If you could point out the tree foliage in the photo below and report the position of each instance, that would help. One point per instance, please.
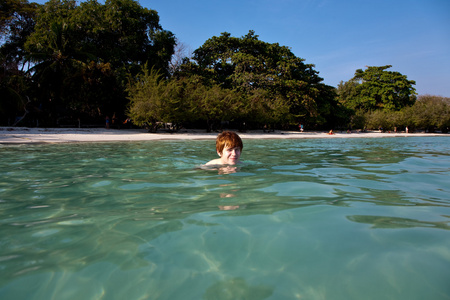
(376, 88)
(82, 54)
(271, 79)
(17, 20)
(243, 81)
(94, 59)
(429, 113)
(16, 24)
(154, 99)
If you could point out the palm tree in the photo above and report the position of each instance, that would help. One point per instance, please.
(57, 58)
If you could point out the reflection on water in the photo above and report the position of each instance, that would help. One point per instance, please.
(393, 222)
(236, 288)
(302, 219)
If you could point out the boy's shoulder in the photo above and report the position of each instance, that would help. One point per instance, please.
(216, 161)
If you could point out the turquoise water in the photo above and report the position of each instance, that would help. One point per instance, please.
(303, 219)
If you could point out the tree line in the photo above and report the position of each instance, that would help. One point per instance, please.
(64, 63)
(386, 100)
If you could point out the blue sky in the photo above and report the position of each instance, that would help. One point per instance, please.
(337, 36)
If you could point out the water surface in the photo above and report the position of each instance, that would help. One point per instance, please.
(302, 219)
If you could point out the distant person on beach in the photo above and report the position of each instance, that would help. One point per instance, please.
(229, 148)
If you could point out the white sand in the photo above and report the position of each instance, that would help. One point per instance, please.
(21, 135)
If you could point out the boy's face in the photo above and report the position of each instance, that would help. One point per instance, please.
(230, 156)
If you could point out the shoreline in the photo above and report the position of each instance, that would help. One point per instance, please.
(24, 135)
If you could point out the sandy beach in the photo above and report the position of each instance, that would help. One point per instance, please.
(22, 135)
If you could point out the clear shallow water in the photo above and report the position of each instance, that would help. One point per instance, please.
(304, 219)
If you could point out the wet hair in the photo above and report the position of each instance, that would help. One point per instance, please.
(228, 139)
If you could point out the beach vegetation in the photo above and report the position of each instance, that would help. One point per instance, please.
(428, 113)
(70, 63)
(155, 99)
(78, 56)
(245, 82)
(17, 20)
(431, 113)
(276, 87)
(378, 99)
(376, 88)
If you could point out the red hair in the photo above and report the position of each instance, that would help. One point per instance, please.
(228, 139)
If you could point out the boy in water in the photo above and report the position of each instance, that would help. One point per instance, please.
(229, 148)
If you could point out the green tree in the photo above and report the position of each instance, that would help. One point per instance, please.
(147, 103)
(154, 99)
(124, 33)
(376, 88)
(386, 120)
(16, 24)
(431, 113)
(56, 63)
(213, 104)
(428, 113)
(263, 72)
(91, 49)
(93, 88)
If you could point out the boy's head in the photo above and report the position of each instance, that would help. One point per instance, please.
(228, 139)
